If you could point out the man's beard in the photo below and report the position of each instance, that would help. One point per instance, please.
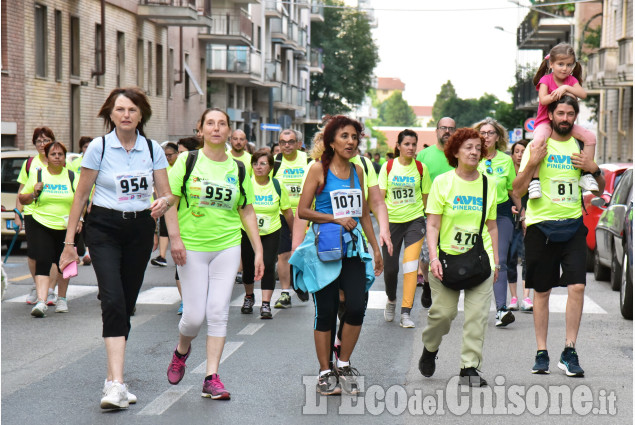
(561, 131)
(443, 140)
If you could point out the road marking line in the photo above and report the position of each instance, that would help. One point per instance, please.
(160, 295)
(20, 278)
(165, 400)
(251, 329)
(74, 292)
(228, 350)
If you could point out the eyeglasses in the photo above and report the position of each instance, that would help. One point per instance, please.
(170, 155)
(261, 164)
(489, 169)
(287, 142)
(488, 133)
(448, 129)
(42, 141)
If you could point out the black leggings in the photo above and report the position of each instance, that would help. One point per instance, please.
(352, 280)
(269, 256)
(48, 249)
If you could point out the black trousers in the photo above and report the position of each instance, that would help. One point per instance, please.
(269, 256)
(120, 249)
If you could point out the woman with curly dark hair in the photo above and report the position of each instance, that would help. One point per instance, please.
(455, 213)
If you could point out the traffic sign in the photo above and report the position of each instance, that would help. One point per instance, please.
(530, 124)
(517, 135)
(271, 127)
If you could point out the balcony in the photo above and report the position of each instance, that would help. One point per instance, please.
(229, 28)
(176, 12)
(539, 32)
(314, 115)
(234, 64)
(525, 94)
(274, 9)
(288, 97)
(317, 11)
(625, 61)
(315, 64)
(280, 30)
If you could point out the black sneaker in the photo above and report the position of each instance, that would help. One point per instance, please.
(542, 363)
(248, 305)
(265, 311)
(504, 317)
(159, 261)
(427, 363)
(426, 295)
(469, 376)
(304, 296)
(328, 384)
(570, 364)
(284, 301)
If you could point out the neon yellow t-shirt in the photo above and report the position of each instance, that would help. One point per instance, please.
(245, 158)
(76, 165)
(268, 206)
(290, 175)
(211, 221)
(502, 170)
(23, 177)
(558, 182)
(53, 206)
(460, 203)
(404, 187)
(435, 160)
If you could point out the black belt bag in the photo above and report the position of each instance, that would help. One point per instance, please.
(560, 230)
(467, 270)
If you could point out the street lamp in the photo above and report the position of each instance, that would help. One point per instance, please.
(503, 30)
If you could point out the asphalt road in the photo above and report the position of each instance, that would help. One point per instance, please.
(53, 368)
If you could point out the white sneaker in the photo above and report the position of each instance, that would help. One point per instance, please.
(587, 182)
(132, 399)
(61, 306)
(31, 299)
(527, 305)
(504, 317)
(39, 310)
(51, 299)
(406, 321)
(535, 191)
(513, 304)
(115, 396)
(389, 311)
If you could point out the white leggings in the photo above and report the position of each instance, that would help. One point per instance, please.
(207, 281)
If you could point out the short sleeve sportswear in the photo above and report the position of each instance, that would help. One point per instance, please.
(52, 208)
(435, 160)
(542, 116)
(268, 206)
(460, 204)
(211, 222)
(290, 175)
(245, 158)
(404, 188)
(502, 171)
(23, 177)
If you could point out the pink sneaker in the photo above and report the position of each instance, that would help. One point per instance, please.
(513, 304)
(176, 369)
(527, 305)
(214, 389)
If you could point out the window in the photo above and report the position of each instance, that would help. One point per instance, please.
(99, 55)
(159, 70)
(150, 68)
(140, 63)
(203, 77)
(121, 58)
(186, 78)
(170, 72)
(3, 38)
(41, 40)
(58, 45)
(75, 47)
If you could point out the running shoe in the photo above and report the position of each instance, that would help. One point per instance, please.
(176, 369)
(389, 311)
(570, 364)
(304, 296)
(587, 182)
(347, 377)
(180, 310)
(51, 299)
(132, 399)
(159, 261)
(541, 367)
(504, 317)
(62, 305)
(39, 310)
(86, 260)
(427, 362)
(248, 305)
(284, 301)
(31, 299)
(213, 388)
(406, 321)
(469, 376)
(513, 304)
(534, 190)
(265, 311)
(328, 384)
(426, 295)
(527, 305)
(115, 396)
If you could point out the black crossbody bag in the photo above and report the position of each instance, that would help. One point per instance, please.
(467, 270)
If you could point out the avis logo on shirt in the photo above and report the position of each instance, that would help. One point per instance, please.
(403, 179)
(55, 188)
(561, 162)
(264, 198)
(468, 203)
(293, 172)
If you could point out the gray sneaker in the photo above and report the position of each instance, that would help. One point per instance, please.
(347, 376)
(39, 310)
(31, 299)
(62, 305)
(406, 321)
(389, 311)
(328, 384)
(51, 299)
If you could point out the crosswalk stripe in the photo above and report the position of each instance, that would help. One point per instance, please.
(73, 292)
(251, 329)
(228, 350)
(165, 400)
(159, 295)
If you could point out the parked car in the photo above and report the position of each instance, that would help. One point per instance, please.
(626, 288)
(12, 161)
(609, 233)
(595, 206)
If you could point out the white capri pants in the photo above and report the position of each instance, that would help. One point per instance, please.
(207, 281)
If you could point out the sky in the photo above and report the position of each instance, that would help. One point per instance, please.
(426, 43)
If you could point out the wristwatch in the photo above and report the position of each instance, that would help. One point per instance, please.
(597, 173)
(497, 267)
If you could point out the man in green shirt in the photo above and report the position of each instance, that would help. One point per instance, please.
(238, 141)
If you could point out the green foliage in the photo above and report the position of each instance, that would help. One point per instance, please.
(592, 37)
(349, 57)
(447, 94)
(396, 112)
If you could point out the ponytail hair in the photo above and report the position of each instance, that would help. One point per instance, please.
(542, 70)
(402, 135)
(334, 123)
(561, 49)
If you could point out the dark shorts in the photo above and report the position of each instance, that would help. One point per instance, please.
(163, 229)
(285, 237)
(31, 237)
(545, 260)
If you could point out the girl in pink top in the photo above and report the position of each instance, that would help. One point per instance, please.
(564, 78)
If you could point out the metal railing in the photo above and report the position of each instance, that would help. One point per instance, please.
(317, 8)
(231, 23)
(179, 3)
(234, 59)
(280, 26)
(273, 70)
(525, 93)
(316, 59)
(315, 111)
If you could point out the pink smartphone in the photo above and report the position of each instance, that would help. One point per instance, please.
(70, 270)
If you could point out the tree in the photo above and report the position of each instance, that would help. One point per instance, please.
(395, 111)
(447, 94)
(349, 57)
